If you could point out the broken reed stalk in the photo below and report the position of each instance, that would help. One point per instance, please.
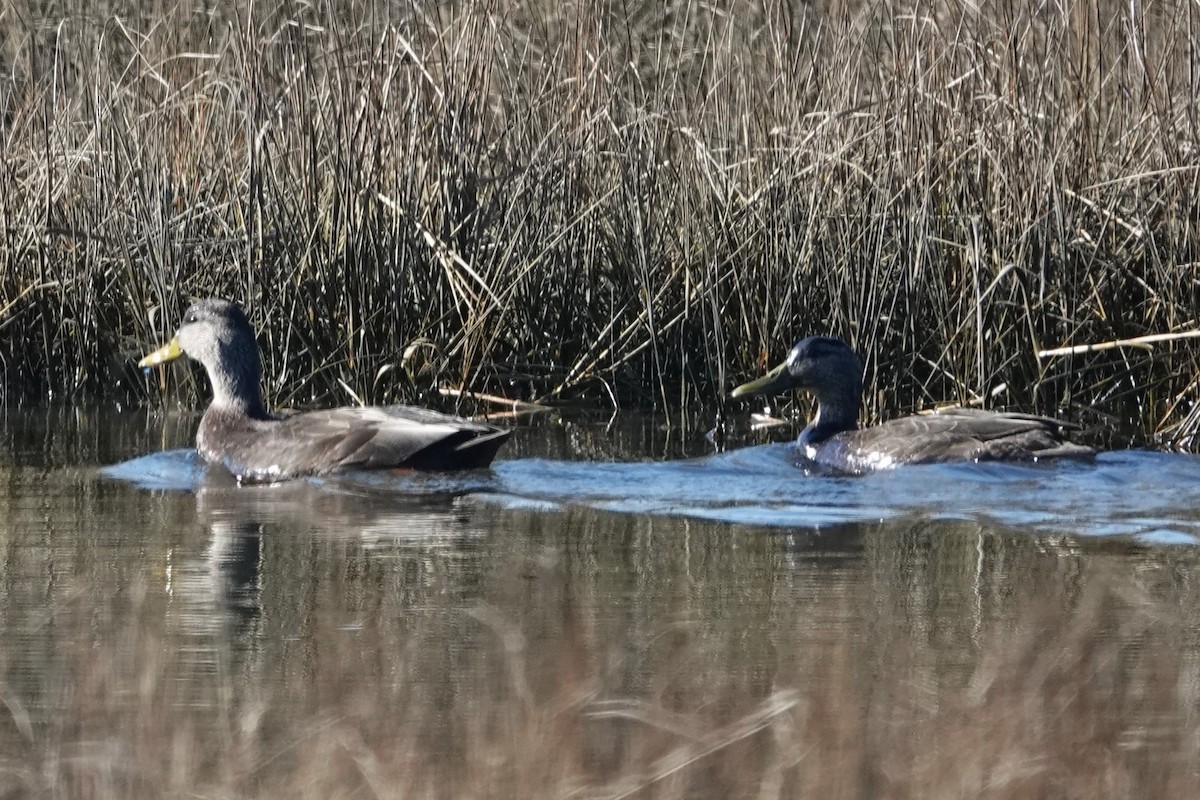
(1144, 342)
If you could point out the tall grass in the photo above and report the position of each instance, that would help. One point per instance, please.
(632, 203)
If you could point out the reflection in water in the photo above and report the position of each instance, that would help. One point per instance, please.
(355, 507)
(712, 628)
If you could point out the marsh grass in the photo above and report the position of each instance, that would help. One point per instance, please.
(629, 203)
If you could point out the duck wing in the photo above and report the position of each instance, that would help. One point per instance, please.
(958, 435)
(377, 437)
(372, 437)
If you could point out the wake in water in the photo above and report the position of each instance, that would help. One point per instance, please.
(1152, 497)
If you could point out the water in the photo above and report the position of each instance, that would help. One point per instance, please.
(595, 616)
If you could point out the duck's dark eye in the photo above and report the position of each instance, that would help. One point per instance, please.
(189, 318)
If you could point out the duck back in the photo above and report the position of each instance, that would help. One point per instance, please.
(951, 435)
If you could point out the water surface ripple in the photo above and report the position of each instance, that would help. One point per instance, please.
(1149, 496)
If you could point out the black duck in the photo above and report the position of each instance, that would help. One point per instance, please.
(239, 433)
(831, 371)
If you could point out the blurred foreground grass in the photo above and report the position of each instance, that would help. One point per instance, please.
(878, 660)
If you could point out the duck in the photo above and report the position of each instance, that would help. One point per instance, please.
(829, 369)
(237, 431)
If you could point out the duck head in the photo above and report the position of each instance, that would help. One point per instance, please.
(827, 368)
(218, 335)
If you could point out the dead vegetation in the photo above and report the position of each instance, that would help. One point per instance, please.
(632, 204)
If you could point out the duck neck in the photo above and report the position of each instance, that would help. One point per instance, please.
(236, 388)
(837, 411)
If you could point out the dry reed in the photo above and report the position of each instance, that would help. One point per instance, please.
(631, 203)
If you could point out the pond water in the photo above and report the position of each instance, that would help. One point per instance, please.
(613, 610)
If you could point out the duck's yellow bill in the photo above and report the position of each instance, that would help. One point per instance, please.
(168, 352)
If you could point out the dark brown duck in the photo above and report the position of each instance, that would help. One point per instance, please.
(239, 433)
(831, 371)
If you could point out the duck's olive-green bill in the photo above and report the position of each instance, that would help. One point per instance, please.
(168, 352)
(777, 381)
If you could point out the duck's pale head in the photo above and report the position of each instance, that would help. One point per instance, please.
(217, 334)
